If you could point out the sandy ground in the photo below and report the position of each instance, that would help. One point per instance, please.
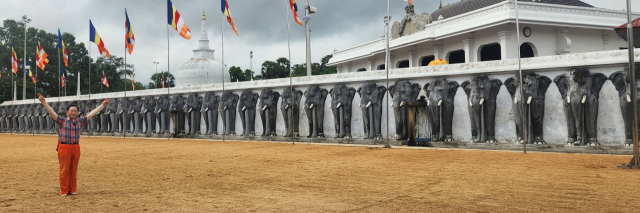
(129, 175)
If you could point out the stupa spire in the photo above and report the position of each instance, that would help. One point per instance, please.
(204, 38)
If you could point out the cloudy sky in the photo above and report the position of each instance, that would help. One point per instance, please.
(261, 24)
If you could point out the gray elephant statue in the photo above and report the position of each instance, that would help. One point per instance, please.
(290, 106)
(35, 125)
(62, 108)
(534, 87)
(622, 81)
(227, 109)
(37, 112)
(83, 110)
(192, 112)
(177, 106)
(148, 114)
(18, 118)
(268, 111)
(28, 114)
(580, 90)
(209, 112)
(23, 122)
(314, 108)
(95, 122)
(440, 94)
(110, 121)
(371, 96)
(122, 116)
(247, 111)
(341, 103)
(482, 92)
(135, 112)
(402, 92)
(162, 113)
(2, 118)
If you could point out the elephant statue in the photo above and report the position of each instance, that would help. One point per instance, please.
(23, 122)
(95, 122)
(110, 121)
(192, 110)
(62, 109)
(314, 108)
(83, 110)
(371, 96)
(227, 109)
(27, 111)
(34, 119)
(534, 87)
(209, 112)
(268, 111)
(2, 118)
(247, 111)
(580, 90)
(122, 116)
(622, 81)
(482, 91)
(135, 114)
(162, 113)
(402, 92)
(290, 106)
(341, 101)
(148, 116)
(440, 93)
(38, 113)
(177, 106)
(17, 117)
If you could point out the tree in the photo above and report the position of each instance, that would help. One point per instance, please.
(156, 79)
(316, 68)
(277, 69)
(236, 74)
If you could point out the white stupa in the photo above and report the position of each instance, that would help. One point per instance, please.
(202, 68)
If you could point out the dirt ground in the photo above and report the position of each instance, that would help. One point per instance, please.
(138, 175)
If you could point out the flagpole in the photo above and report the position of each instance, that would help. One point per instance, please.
(35, 90)
(124, 131)
(59, 79)
(168, 61)
(635, 161)
(387, 19)
(291, 127)
(224, 128)
(89, 54)
(13, 99)
(523, 114)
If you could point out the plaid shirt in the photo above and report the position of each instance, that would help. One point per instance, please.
(70, 131)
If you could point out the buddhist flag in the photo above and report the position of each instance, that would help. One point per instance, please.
(64, 49)
(129, 39)
(225, 11)
(133, 79)
(41, 57)
(14, 60)
(30, 73)
(104, 78)
(95, 38)
(163, 79)
(411, 3)
(176, 21)
(63, 79)
(294, 9)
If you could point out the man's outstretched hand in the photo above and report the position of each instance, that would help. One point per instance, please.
(41, 98)
(104, 103)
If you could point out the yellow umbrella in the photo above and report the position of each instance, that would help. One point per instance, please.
(438, 62)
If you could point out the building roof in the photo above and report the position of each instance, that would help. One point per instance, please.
(465, 6)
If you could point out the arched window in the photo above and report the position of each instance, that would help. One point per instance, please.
(403, 64)
(361, 70)
(381, 67)
(456, 57)
(527, 50)
(424, 61)
(490, 52)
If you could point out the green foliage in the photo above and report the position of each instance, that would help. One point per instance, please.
(236, 74)
(275, 69)
(156, 79)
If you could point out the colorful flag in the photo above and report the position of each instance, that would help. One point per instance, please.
(62, 75)
(14, 60)
(41, 57)
(294, 9)
(95, 38)
(104, 78)
(129, 39)
(411, 3)
(133, 79)
(163, 79)
(225, 11)
(176, 21)
(64, 49)
(33, 77)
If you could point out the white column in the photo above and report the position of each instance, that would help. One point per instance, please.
(507, 46)
(469, 49)
(605, 39)
(437, 50)
(372, 64)
(339, 68)
(349, 68)
(392, 62)
(413, 53)
(78, 93)
(563, 42)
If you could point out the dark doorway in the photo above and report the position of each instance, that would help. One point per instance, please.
(361, 70)
(526, 51)
(426, 60)
(381, 67)
(403, 64)
(456, 57)
(490, 52)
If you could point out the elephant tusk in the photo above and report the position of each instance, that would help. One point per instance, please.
(338, 106)
(428, 102)
(568, 100)
(311, 107)
(264, 107)
(515, 100)
(144, 111)
(481, 101)
(359, 104)
(584, 98)
(628, 98)
(133, 111)
(440, 102)
(190, 110)
(529, 100)
(206, 109)
(402, 103)
(225, 108)
(244, 108)
(470, 103)
(369, 104)
(286, 106)
(120, 112)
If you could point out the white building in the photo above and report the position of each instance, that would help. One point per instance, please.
(484, 30)
(203, 68)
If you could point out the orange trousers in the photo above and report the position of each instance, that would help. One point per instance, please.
(68, 156)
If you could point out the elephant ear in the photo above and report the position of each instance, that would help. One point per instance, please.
(543, 85)
(466, 87)
(495, 87)
(598, 80)
(561, 83)
(426, 89)
(510, 83)
(392, 90)
(453, 88)
(297, 96)
(381, 92)
(617, 78)
(323, 95)
(276, 96)
(360, 91)
(352, 93)
(415, 91)
(331, 93)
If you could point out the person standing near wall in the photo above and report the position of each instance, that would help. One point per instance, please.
(68, 143)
